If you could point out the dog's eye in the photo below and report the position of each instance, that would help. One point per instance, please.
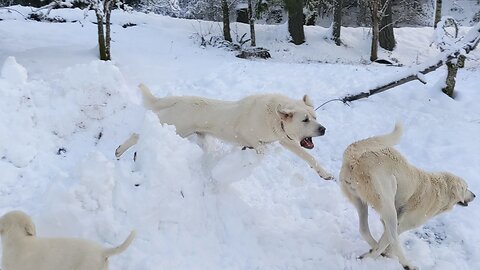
(306, 120)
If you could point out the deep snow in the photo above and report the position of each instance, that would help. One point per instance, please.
(63, 113)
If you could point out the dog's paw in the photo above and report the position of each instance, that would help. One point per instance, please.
(387, 253)
(118, 153)
(326, 176)
(410, 267)
(364, 255)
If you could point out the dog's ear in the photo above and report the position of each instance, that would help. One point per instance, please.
(30, 229)
(284, 113)
(307, 101)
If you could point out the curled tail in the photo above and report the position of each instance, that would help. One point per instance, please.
(391, 138)
(356, 149)
(122, 247)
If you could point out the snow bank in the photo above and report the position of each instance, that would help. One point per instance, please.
(205, 204)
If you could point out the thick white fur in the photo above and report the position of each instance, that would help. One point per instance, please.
(22, 250)
(374, 173)
(251, 122)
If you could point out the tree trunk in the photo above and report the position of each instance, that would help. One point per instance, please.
(101, 36)
(226, 21)
(251, 20)
(452, 74)
(438, 12)
(450, 82)
(108, 12)
(375, 30)
(295, 21)
(337, 22)
(386, 35)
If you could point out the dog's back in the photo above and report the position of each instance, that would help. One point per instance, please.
(362, 158)
(38, 253)
(355, 150)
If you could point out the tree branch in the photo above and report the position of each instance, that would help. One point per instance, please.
(11, 9)
(474, 39)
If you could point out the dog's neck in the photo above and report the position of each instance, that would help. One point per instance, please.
(12, 239)
(433, 182)
(282, 126)
(275, 122)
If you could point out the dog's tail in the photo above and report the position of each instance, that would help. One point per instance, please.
(122, 247)
(153, 103)
(149, 100)
(389, 139)
(356, 149)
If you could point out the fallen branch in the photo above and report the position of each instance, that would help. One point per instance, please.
(11, 9)
(446, 57)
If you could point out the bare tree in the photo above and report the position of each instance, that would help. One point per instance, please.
(378, 11)
(376, 16)
(226, 21)
(337, 21)
(251, 20)
(438, 12)
(445, 40)
(386, 34)
(295, 21)
(103, 10)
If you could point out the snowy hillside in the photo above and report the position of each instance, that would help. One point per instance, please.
(63, 113)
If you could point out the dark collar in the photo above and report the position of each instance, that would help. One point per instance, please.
(283, 128)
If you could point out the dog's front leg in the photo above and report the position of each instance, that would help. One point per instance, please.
(296, 149)
(131, 141)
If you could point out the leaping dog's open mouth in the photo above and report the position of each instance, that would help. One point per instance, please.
(307, 143)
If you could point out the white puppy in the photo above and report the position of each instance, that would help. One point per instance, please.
(22, 250)
(374, 173)
(250, 122)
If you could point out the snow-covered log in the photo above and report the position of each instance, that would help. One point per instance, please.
(447, 56)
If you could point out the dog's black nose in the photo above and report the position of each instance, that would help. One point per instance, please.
(474, 196)
(321, 130)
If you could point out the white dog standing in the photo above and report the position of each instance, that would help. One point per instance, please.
(374, 173)
(22, 250)
(250, 122)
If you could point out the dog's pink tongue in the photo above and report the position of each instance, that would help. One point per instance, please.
(307, 143)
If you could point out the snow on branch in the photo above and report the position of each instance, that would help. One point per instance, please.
(52, 5)
(450, 53)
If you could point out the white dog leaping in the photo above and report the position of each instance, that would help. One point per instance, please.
(374, 173)
(250, 122)
(23, 250)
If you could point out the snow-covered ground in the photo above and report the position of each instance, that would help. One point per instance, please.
(63, 113)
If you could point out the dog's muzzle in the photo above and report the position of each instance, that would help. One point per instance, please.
(468, 200)
(321, 130)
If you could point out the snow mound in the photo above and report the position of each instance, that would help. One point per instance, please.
(13, 72)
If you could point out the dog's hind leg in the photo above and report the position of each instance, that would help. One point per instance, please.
(389, 217)
(397, 250)
(384, 203)
(390, 239)
(406, 221)
(362, 210)
(132, 140)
